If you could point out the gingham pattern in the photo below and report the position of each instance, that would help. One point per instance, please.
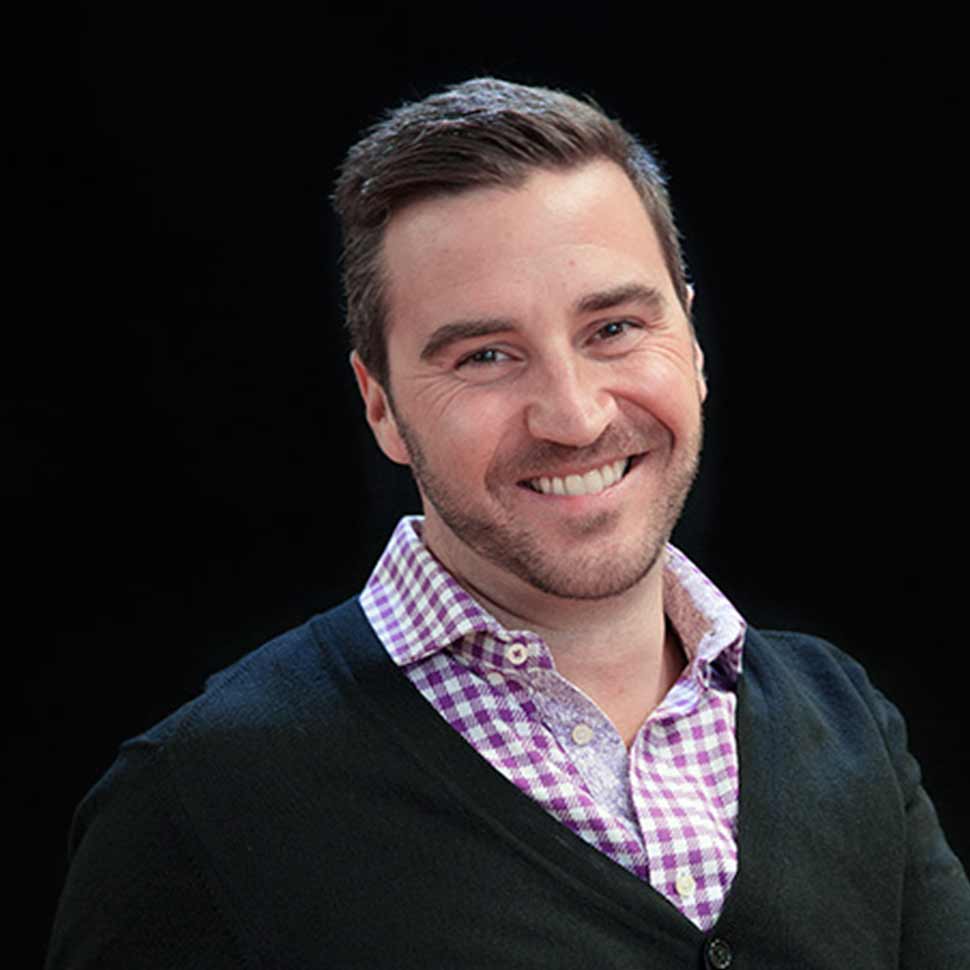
(667, 809)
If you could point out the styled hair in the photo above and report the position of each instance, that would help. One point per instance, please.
(483, 132)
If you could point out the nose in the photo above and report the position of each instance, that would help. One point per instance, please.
(569, 403)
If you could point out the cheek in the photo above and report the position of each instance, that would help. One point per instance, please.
(667, 387)
(466, 439)
(466, 413)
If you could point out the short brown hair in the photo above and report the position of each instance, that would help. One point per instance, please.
(483, 132)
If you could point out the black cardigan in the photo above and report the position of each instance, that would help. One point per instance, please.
(311, 810)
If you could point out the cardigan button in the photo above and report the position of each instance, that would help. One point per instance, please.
(719, 955)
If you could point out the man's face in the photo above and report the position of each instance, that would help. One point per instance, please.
(536, 348)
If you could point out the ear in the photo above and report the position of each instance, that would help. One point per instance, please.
(698, 352)
(380, 417)
(699, 368)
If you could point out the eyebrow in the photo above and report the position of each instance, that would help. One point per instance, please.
(452, 333)
(458, 330)
(615, 296)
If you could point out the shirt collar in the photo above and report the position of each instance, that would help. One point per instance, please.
(414, 604)
(418, 608)
(710, 628)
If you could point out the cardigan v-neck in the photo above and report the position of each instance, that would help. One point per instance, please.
(311, 810)
(664, 804)
(390, 698)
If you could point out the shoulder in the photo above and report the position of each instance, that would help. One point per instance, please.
(169, 830)
(813, 664)
(267, 688)
(814, 688)
(261, 715)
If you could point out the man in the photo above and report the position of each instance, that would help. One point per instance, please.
(540, 737)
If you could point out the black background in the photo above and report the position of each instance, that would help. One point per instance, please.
(190, 472)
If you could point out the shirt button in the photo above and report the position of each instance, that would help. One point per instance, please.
(517, 654)
(495, 678)
(719, 954)
(582, 734)
(685, 883)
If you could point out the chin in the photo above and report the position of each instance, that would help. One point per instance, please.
(587, 577)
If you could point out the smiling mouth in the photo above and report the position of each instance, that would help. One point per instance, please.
(590, 483)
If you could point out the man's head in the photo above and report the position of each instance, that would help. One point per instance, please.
(484, 132)
(514, 276)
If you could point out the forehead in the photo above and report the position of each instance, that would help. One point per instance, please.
(500, 251)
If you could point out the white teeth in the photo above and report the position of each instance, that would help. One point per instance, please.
(592, 483)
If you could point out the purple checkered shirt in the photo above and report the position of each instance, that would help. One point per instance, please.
(666, 809)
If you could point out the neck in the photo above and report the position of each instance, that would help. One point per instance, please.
(618, 650)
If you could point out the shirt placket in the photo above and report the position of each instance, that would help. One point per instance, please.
(689, 861)
(591, 755)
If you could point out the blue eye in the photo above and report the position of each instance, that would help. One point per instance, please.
(487, 355)
(615, 328)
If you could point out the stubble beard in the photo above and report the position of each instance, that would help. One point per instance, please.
(582, 575)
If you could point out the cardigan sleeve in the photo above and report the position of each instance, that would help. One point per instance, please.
(137, 894)
(935, 914)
